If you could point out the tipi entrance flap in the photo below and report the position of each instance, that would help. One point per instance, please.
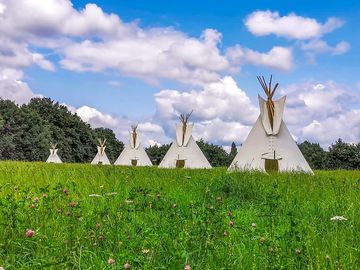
(278, 115)
(181, 138)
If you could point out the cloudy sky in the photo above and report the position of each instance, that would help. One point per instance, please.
(118, 62)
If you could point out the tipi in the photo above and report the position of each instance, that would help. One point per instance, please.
(133, 154)
(184, 152)
(53, 157)
(269, 145)
(101, 157)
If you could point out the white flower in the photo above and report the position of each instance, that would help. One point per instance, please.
(128, 201)
(94, 195)
(111, 193)
(338, 218)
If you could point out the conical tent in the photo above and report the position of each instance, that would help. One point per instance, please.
(53, 157)
(269, 145)
(133, 153)
(184, 152)
(101, 157)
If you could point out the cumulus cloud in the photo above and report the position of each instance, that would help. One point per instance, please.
(262, 23)
(278, 57)
(322, 112)
(223, 112)
(317, 46)
(121, 125)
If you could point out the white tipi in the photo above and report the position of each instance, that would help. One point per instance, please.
(184, 152)
(133, 153)
(269, 145)
(53, 157)
(101, 157)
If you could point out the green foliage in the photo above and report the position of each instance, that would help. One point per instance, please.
(156, 153)
(113, 145)
(163, 219)
(215, 154)
(314, 154)
(344, 156)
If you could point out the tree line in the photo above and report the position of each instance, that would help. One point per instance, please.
(26, 132)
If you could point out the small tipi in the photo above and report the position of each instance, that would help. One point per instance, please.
(133, 153)
(101, 157)
(53, 157)
(269, 145)
(184, 152)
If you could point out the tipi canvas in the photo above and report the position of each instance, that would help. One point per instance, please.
(53, 157)
(133, 153)
(101, 157)
(269, 145)
(184, 152)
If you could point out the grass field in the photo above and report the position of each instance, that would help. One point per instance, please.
(151, 218)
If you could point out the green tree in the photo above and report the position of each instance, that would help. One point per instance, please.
(314, 154)
(156, 153)
(113, 145)
(215, 154)
(75, 138)
(232, 154)
(344, 156)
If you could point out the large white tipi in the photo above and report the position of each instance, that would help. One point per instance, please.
(53, 157)
(133, 153)
(101, 157)
(184, 152)
(269, 145)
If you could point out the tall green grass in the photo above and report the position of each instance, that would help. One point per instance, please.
(163, 219)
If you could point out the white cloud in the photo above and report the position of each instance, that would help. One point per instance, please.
(13, 88)
(278, 57)
(261, 23)
(222, 111)
(318, 46)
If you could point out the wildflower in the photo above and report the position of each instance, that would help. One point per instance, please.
(225, 234)
(271, 249)
(94, 195)
(218, 198)
(66, 191)
(253, 225)
(128, 201)
(262, 239)
(97, 225)
(145, 251)
(174, 205)
(111, 261)
(45, 196)
(32, 206)
(338, 218)
(298, 251)
(158, 196)
(211, 207)
(229, 213)
(36, 200)
(231, 223)
(101, 238)
(187, 267)
(127, 266)
(327, 257)
(72, 204)
(68, 213)
(29, 233)
(111, 193)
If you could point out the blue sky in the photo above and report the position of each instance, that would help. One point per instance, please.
(116, 94)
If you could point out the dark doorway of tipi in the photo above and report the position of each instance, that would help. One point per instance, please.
(180, 163)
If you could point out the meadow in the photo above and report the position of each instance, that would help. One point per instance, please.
(78, 216)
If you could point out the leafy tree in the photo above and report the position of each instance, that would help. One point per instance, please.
(215, 154)
(314, 154)
(232, 153)
(73, 136)
(24, 134)
(344, 156)
(113, 145)
(156, 153)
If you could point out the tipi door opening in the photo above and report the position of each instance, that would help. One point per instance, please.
(180, 163)
(134, 162)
